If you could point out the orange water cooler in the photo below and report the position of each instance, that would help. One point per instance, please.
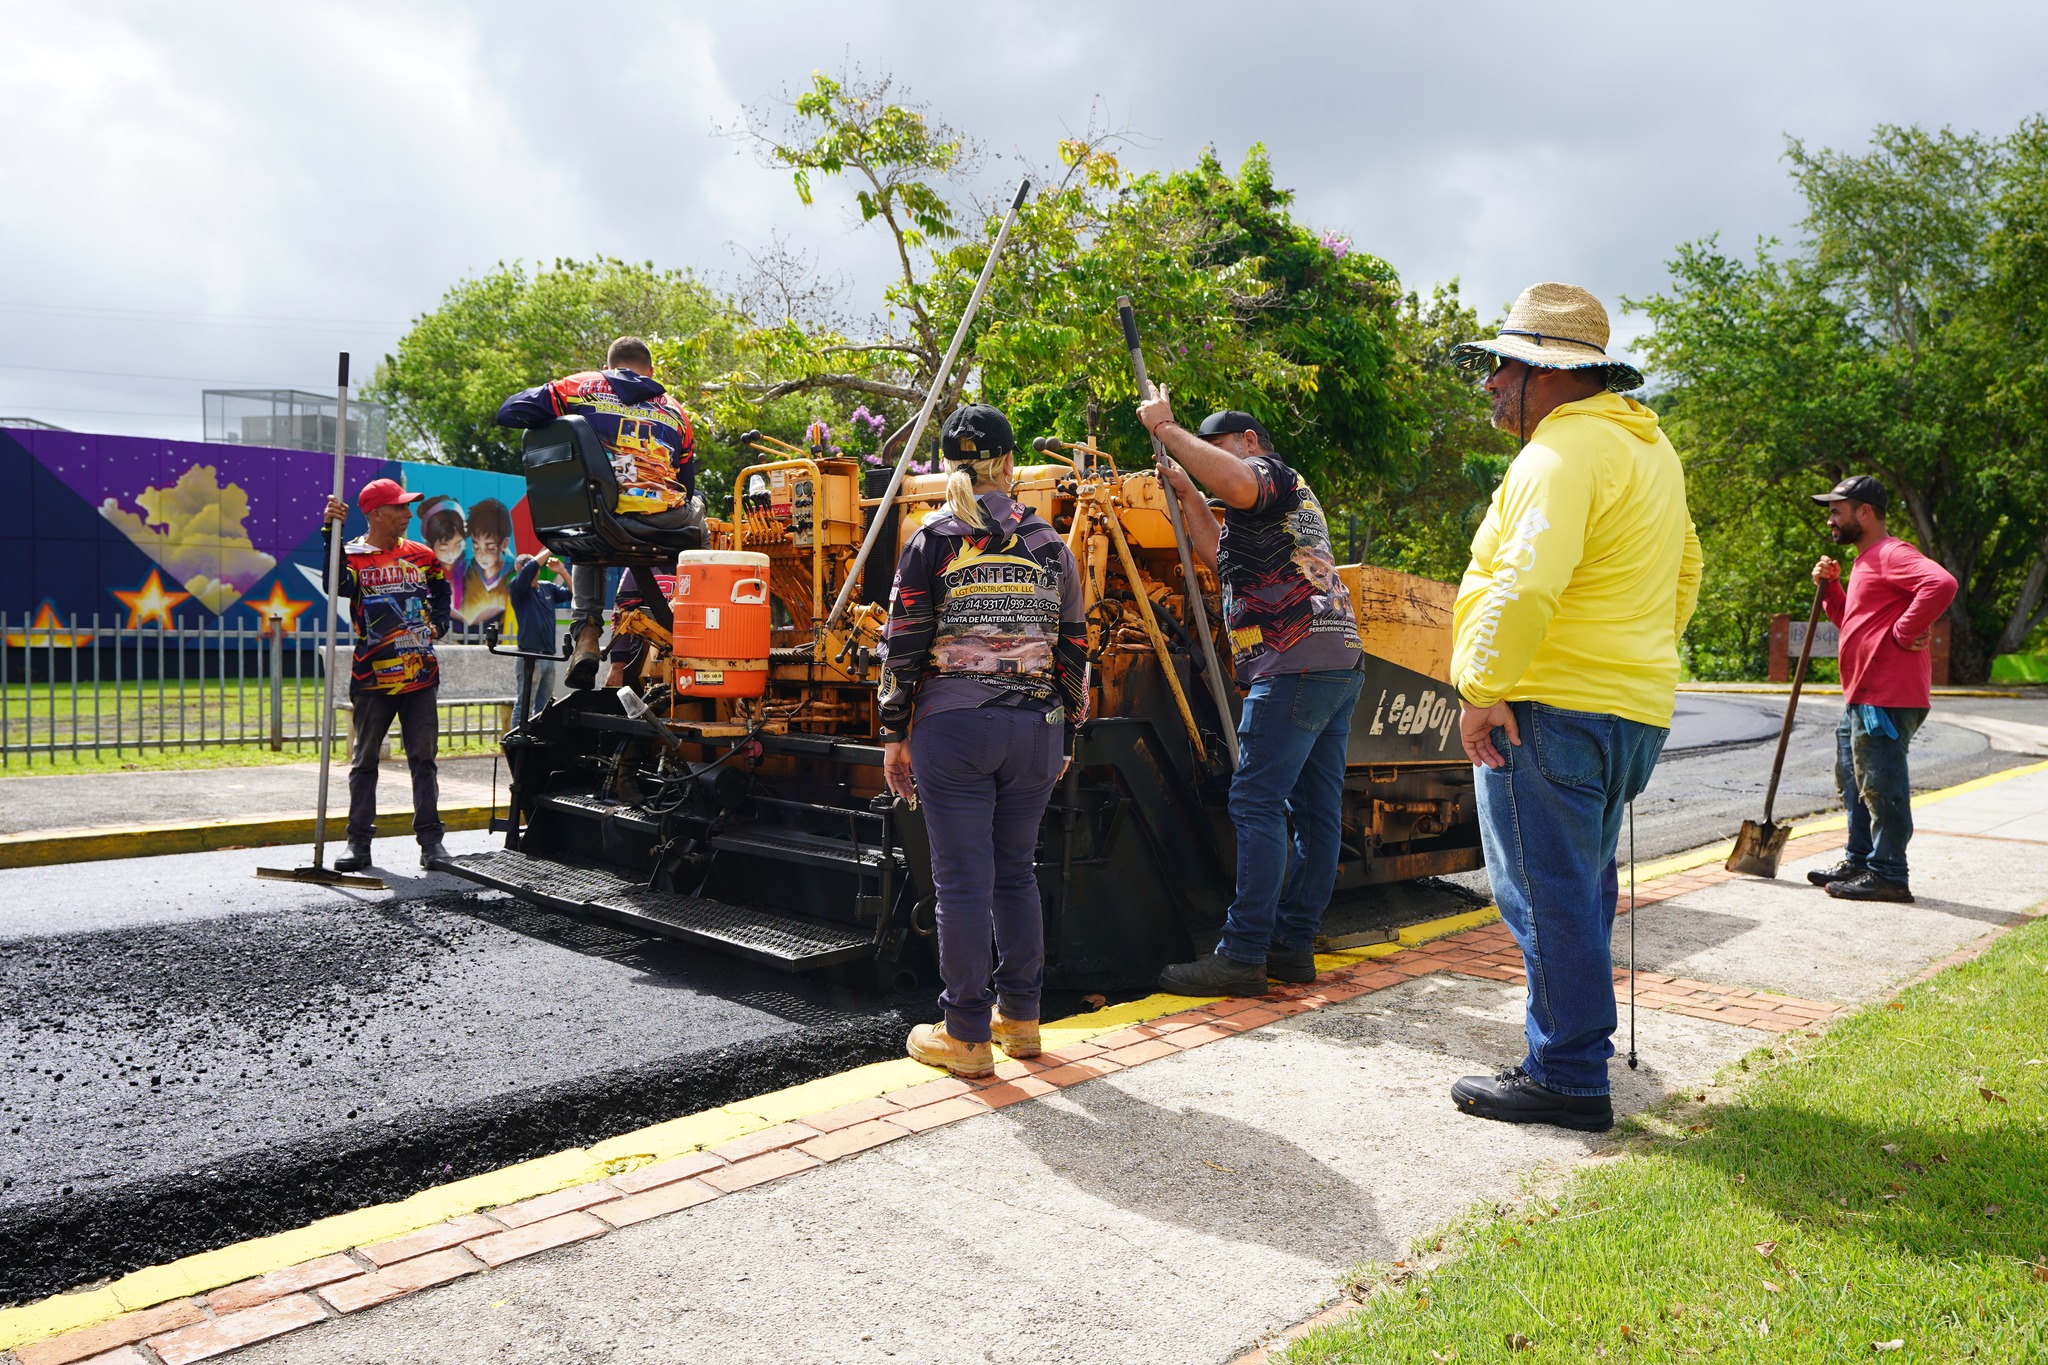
(722, 622)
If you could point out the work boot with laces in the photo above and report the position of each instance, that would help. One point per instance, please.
(1839, 872)
(1214, 974)
(1512, 1095)
(583, 664)
(1016, 1037)
(932, 1045)
(356, 859)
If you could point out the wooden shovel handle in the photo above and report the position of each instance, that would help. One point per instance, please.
(1792, 703)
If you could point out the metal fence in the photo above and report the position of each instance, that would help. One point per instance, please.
(88, 686)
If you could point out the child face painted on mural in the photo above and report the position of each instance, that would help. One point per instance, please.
(490, 538)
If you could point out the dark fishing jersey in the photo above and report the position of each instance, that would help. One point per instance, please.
(982, 617)
(398, 604)
(1283, 604)
(654, 452)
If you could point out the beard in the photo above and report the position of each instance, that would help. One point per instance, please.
(1844, 535)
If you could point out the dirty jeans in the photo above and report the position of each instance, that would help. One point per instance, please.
(1871, 771)
(419, 725)
(586, 595)
(1549, 819)
(1291, 736)
(536, 684)
(984, 777)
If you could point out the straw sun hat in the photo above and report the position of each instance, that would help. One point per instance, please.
(1559, 327)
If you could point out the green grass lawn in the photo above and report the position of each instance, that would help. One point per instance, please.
(1877, 1193)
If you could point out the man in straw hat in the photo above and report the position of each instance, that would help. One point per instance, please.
(1565, 654)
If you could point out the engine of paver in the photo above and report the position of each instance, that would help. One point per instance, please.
(760, 826)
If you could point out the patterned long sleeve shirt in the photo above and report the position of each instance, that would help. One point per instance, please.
(982, 617)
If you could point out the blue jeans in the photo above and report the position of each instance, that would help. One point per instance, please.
(1291, 738)
(1871, 771)
(984, 777)
(1549, 819)
(536, 685)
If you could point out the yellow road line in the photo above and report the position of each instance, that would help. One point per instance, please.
(41, 849)
(676, 1137)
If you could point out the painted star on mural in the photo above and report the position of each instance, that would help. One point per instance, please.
(48, 632)
(150, 602)
(276, 606)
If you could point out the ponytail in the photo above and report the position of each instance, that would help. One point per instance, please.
(960, 499)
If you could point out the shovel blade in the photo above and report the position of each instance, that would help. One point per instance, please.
(320, 876)
(1758, 848)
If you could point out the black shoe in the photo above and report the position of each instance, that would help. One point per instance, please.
(1868, 886)
(1214, 974)
(432, 854)
(356, 859)
(1512, 1096)
(1296, 968)
(1840, 872)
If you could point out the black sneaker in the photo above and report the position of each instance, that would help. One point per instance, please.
(1295, 968)
(1868, 886)
(1840, 872)
(1214, 974)
(1512, 1096)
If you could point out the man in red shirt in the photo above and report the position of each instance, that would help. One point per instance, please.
(398, 607)
(1886, 619)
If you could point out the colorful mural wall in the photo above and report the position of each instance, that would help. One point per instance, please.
(142, 531)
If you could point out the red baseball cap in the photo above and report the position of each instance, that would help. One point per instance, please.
(384, 493)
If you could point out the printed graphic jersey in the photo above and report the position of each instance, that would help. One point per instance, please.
(653, 450)
(982, 617)
(1283, 604)
(1584, 572)
(1895, 595)
(398, 603)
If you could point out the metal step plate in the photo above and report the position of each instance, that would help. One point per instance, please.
(791, 845)
(595, 808)
(791, 942)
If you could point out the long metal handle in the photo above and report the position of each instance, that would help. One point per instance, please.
(1792, 702)
(334, 541)
(1198, 606)
(924, 416)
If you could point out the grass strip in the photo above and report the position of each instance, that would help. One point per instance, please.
(1878, 1192)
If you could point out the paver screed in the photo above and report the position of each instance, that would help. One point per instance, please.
(1174, 1191)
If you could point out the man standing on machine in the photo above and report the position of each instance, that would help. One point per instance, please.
(1294, 640)
(1887, 618)
(398, 607)
(654, 455)
(1565, 653)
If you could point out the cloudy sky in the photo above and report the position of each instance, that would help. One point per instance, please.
(224, 195)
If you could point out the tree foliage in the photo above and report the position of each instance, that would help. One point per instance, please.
(1904, 337)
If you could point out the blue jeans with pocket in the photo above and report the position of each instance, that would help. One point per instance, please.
(1876, 789)
(1291, 736)
(1549, 819)
(984, 777)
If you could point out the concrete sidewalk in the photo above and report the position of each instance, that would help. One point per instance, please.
(1176, 1191)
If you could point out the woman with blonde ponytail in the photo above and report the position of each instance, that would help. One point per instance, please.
(984, 682)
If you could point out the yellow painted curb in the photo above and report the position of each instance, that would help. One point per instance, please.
(40, 849)
(1826, 690)
(694, 1132)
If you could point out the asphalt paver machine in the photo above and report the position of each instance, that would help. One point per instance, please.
(732, 796)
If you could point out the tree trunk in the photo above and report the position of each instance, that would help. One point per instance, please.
(2027, 611)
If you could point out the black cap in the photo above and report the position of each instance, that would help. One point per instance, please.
(1231, 420)
(976, 431)
(1857, 488)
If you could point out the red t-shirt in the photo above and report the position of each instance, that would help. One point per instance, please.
(1895, 595)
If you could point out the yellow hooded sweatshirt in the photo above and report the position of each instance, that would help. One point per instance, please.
(1585, 570)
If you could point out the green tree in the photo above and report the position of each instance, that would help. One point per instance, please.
(1905, 337)
(511, 329)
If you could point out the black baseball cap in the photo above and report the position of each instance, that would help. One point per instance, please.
(1857, 488)
(976, 431)
(1230, 420)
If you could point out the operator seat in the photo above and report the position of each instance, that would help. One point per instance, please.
(572, 491)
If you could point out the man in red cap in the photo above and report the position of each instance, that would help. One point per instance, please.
(398, 607)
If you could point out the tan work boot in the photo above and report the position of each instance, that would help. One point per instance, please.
(583, 663)
(1016, 1037)
(932, 1045)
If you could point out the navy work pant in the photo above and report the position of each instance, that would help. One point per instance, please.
(984, 777)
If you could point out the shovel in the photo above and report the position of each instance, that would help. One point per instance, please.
(319, 874)
(1758, 846)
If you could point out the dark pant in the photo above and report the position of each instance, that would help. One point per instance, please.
(1876, 788)
(1549, 819)
(419, 725)
(983, 780)
(1292, 734)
